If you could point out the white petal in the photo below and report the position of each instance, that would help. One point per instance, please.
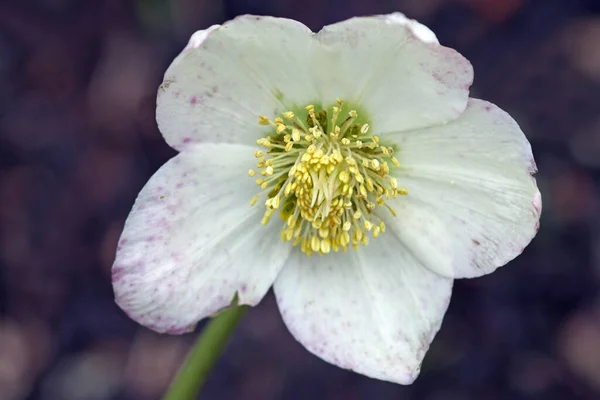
(192, 241)
(472, 204)
(195, 41)
(418, 29)
(249, 66)
(373, 311)
(393, 68)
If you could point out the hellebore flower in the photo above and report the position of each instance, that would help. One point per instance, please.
(375, 181)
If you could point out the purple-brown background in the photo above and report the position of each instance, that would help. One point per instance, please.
(78, 140)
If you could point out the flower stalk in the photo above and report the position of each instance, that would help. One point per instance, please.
(207, 349)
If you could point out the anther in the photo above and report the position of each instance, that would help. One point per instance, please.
(326, 178)
(296, 135)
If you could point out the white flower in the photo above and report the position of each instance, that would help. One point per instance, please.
(365, 141)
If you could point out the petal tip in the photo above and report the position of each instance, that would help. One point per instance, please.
(420, 31)
(199, 36)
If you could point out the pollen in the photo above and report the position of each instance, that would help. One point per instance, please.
(327, 178)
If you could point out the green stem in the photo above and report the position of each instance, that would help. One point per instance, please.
(206, 351)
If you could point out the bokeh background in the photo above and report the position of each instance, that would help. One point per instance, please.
(78, 139)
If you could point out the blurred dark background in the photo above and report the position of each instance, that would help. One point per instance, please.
(78, 139)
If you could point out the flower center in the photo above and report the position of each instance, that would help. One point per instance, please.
(327, 176)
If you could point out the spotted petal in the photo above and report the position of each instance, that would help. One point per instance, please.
(472, 204)
(192, 241)
(395, 69)
(216, 89)
(373, 311)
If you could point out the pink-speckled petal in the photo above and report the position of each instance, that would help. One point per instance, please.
(473, 204)
(394, 68)
(192, 241)
(216, 89)
(373, 311)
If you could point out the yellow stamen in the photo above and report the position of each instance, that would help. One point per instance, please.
(327, 175)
